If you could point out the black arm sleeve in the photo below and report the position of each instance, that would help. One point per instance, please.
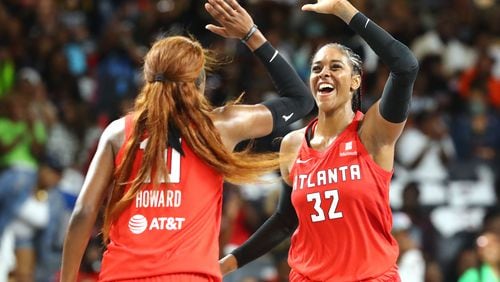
(295, 101)
(277, 228)
(396, 97)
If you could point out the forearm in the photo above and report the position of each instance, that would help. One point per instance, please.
(77, 237)
(269, 235)
(276, 229)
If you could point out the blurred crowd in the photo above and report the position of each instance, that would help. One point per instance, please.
(69, 67)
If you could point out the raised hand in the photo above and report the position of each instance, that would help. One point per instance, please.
(322, 6)
(340, 8)
(234, 20)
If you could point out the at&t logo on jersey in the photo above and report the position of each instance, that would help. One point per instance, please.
(138, 223)
(348, 149)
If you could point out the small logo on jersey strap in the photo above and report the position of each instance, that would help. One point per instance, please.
(348, 149)
(287, 117)
(299, 161)
(137, 224)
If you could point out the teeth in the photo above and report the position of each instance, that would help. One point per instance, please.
(325, 86)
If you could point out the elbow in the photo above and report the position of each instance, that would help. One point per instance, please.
(83, 215)
(410, 65)
(408, 70)
(404, 63)
(413, 65)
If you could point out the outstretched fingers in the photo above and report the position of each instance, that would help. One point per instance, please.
(235, 5)
(224, 11)
(212, 11)
(228, 7)
(234, 21)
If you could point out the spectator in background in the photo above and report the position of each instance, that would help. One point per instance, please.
(21, 142)
(66, 136)
(433, 271)
(426, 150)
(31, 85)
(422, 230)
(488, 268)
(411, 263)
(119, 60)
(476, 130)
(48, 240)
(480, 77)
(491, 220)
(7, 254)
(33, 216)
(442, 39)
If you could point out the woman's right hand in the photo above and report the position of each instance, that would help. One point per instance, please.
(340, 8)
(322, 6)
(235, 21)
(228, 264)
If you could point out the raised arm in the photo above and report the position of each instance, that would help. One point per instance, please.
(386, 118)
(97, 181)
(295, 101)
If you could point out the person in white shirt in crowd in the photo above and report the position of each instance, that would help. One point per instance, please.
(411, 263)
(7, 256)
(425, 151)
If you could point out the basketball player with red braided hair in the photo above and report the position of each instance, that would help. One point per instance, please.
(160, 169)
(339, 166)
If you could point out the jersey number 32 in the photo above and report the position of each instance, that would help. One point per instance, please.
(332, 211)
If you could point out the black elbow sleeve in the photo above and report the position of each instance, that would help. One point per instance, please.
(295, 101)
(396, 98)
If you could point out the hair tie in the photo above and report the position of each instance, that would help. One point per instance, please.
(159, 78)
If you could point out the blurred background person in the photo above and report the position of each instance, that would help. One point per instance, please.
(411, 263)
(488, 260)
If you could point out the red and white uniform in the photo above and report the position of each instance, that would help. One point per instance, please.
(341, 197)
(173, 229)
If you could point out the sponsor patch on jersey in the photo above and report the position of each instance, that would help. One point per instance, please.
(138, 223)
(348, 149)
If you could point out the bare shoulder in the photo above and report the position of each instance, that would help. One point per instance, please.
(114, 134)
(292, 141)
(288, 152)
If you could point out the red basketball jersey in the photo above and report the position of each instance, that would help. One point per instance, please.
(170, 229)
(342, 201)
